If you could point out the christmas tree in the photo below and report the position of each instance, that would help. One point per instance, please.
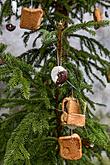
(51, 119)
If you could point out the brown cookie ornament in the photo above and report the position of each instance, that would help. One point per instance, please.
(98, 17)
(31, 18)
(71, 115)
(70, 147)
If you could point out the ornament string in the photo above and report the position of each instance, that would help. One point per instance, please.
(31, 4)
(72, 92)
(70, 84)
(59, 62)
(59, 43)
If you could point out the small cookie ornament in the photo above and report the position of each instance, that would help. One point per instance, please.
(70, 147)
(98, 17)
(71, 113)
(31, 18)
(59, 75)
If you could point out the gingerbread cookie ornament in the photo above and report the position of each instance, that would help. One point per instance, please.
(98, 16)
(31, 18)
(70, 147)
(71, 115)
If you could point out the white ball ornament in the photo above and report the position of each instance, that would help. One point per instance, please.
(59, 75)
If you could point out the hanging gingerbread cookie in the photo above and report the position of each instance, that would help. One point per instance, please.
(31, 18)
(70, 147)
(98, 16)
(71, 115)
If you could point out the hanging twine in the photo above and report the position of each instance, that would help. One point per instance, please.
(31, 4)
(59, 43)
